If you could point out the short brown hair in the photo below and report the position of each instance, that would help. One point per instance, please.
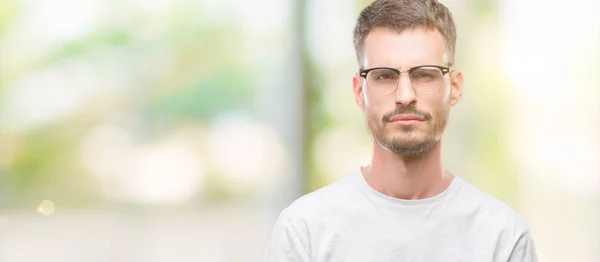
(399, 15)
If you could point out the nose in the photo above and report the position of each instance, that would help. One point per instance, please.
(405, 93)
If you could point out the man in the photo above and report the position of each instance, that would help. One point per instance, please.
(403, 206)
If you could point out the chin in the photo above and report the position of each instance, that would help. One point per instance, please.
(406, 131)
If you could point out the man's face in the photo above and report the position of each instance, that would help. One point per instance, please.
(406, 122)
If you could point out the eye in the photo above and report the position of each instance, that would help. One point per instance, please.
(425, 74)
(386, 76)
(383, 75)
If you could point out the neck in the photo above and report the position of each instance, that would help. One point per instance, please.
(407, 177)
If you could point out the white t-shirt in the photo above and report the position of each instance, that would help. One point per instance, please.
(349, 221)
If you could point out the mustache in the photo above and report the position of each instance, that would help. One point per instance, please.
(403, 110)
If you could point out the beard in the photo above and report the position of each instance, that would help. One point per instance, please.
(408, 143)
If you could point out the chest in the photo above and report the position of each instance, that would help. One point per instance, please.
(420, 237)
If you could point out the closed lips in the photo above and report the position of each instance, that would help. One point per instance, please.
(405, 118)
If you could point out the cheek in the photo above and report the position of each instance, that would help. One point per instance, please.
(366, 97)
(435, 105)
(377, 107)
(441, 100)
(441, 111)
(447, 93)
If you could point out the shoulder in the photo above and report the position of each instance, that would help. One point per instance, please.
(496, 218)
(314, 205)
(495, 212)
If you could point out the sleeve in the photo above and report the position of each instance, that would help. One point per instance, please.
(524, 250)
(285, 243)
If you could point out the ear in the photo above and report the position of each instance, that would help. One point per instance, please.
(357, 88)
(456, 85)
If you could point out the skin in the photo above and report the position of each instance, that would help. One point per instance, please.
(407, 161)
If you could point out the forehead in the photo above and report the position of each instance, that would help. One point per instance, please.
(411, 47)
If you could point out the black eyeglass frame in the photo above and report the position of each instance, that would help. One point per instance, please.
(364, 72)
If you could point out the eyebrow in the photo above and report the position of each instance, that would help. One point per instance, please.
(406, 66)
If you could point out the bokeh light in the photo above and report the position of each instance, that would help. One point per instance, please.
(177, 130)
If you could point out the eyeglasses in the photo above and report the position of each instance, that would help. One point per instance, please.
(425, 79)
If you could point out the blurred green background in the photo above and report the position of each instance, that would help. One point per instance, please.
(177, 129)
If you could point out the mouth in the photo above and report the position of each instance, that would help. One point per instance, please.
(406, 119)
